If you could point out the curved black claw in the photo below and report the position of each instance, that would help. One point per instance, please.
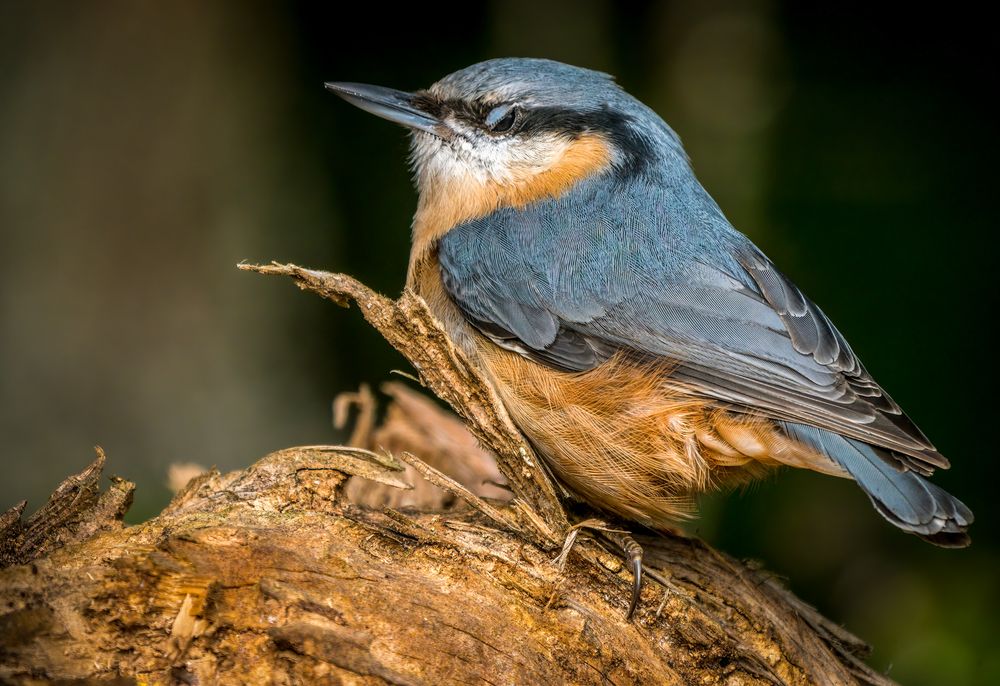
(633, 555)
(634, 552)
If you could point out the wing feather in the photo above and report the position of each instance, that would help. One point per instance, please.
(658, 272)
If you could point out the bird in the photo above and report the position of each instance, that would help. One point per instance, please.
(647, 349)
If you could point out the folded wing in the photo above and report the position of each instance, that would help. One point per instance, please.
(657, 271)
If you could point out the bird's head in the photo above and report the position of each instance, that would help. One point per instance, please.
(508, 132)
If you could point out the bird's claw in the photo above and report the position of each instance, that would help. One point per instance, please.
(633, 550)
(628, 545)
(633, 559)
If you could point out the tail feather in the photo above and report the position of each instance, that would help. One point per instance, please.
(905, 498)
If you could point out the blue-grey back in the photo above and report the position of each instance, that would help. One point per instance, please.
(651, 267)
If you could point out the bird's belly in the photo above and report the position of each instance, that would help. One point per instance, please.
(627, 439)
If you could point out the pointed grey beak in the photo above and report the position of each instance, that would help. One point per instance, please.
(396, 106)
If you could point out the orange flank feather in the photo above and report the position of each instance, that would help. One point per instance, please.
(629, 440)
(446, 201)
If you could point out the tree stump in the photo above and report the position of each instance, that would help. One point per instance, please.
(368, 564)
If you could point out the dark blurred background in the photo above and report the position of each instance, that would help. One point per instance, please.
(147, 148)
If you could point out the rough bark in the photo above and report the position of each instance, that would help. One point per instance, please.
(324, 564)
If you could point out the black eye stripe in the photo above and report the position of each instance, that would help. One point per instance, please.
(537, 119)
(475, 112)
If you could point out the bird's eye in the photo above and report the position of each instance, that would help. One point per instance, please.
(502, 118)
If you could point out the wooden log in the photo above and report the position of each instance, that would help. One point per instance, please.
(304, 569)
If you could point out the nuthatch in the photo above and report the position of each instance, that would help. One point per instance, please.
(646, 348)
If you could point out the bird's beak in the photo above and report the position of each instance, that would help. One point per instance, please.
(396, 106)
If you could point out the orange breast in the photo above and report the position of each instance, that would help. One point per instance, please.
(447, 202)
(627, 439)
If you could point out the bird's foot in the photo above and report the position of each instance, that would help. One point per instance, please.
(633, 558)
(620, 539)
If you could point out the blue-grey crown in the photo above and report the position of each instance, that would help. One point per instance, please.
(538, 81)
(553, 85)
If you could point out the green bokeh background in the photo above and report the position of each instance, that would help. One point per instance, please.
(147, 148)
